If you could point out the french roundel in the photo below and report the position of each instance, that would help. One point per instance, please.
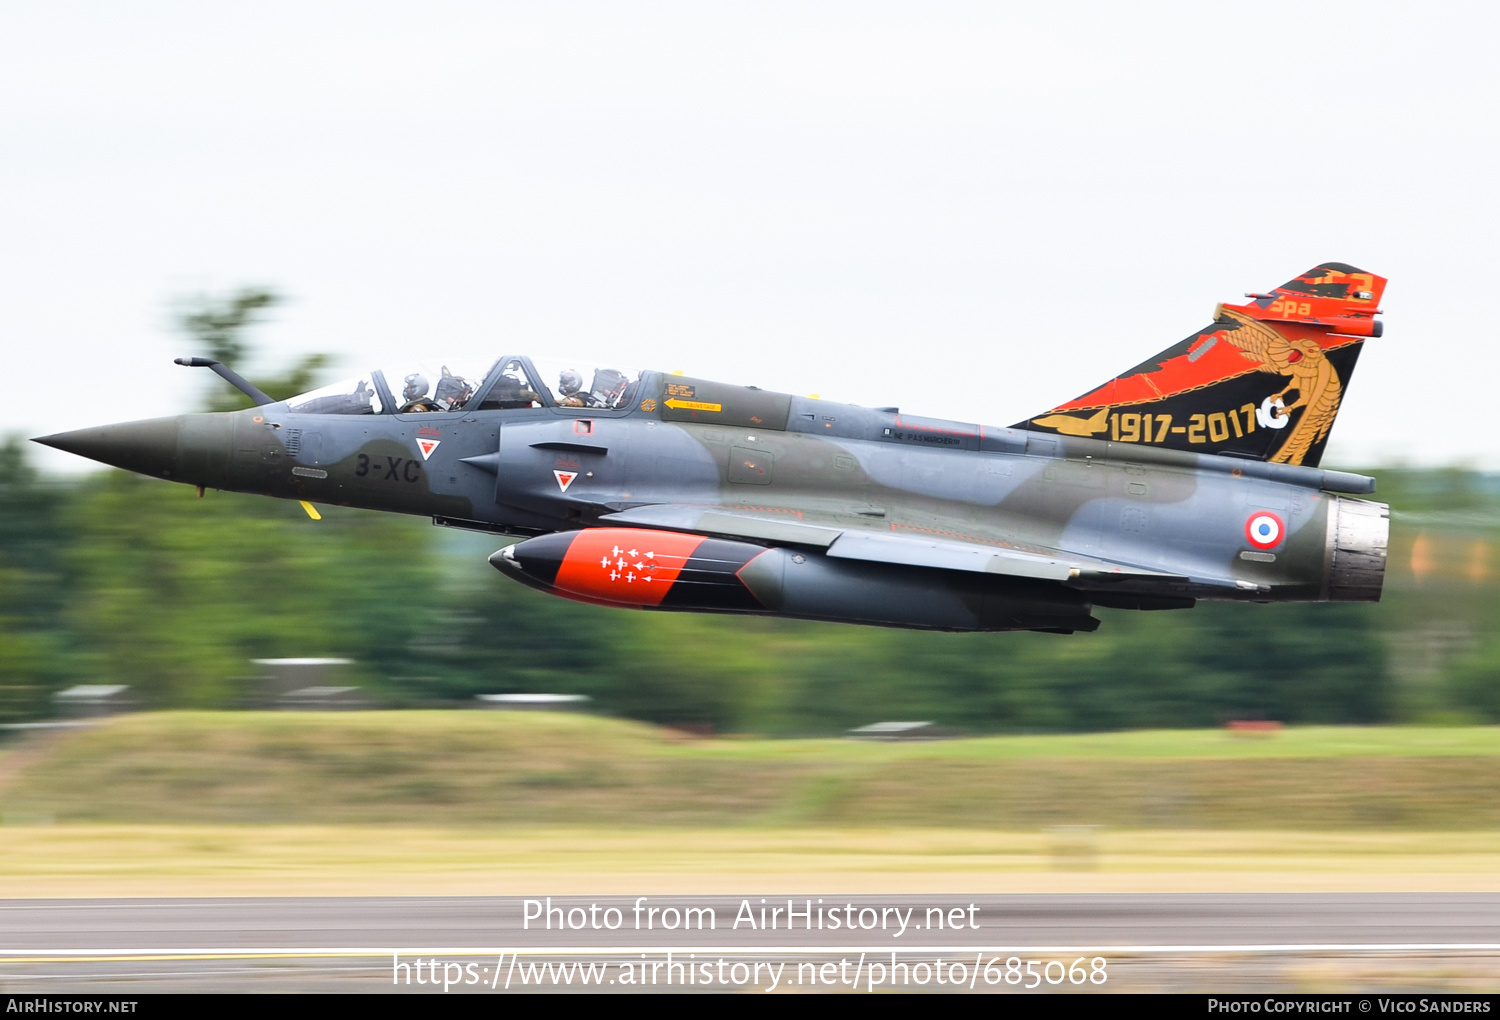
(1264, 530)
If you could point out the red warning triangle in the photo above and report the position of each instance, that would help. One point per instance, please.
(564, 479)
(427, 446)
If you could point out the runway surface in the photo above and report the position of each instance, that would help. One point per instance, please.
(495, 922)
(1409, 941)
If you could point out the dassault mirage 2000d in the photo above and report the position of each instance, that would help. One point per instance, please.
(1193, 475)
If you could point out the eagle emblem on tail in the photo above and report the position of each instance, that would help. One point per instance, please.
(1313, 377)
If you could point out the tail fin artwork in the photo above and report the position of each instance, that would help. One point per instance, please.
(1264, 380)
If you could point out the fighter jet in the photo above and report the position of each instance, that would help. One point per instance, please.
(1193, 475)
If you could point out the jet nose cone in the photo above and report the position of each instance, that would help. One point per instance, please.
(149, 447)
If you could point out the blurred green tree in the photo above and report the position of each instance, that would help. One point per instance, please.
(176, 593)
(34, 642)
(219, 323)
(1473, 683)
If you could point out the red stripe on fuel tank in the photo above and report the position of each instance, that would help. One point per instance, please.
(625, 566)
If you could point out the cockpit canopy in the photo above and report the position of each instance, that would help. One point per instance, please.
(351, 396)
(512, 383)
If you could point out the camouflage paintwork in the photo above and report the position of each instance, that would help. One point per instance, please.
(817, 509)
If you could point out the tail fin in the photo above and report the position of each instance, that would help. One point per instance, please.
(1263, 381)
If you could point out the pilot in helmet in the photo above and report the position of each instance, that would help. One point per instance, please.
(569, 384)
(414, 397)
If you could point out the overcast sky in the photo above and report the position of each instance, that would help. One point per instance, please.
(970, 210)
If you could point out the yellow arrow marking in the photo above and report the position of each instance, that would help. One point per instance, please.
(694, 405)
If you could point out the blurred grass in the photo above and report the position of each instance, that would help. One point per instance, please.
(329, 860)
(474, 768)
